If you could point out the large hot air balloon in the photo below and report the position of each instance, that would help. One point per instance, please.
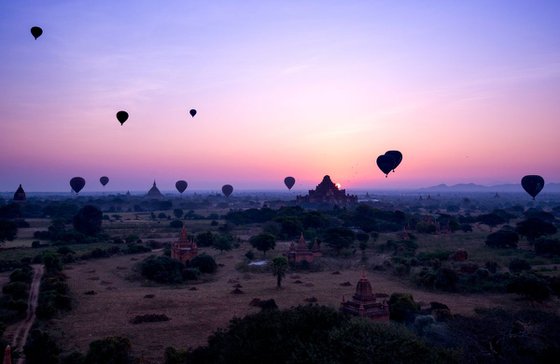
(122, 116)
(36, 32)
(533, 184)
(289, 182)
(77, 183)
(227, 190)
(104, 180)
(192, 112)
(385, 163)
(397, 157)
(181, 186)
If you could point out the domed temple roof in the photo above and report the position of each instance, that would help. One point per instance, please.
(154, 191)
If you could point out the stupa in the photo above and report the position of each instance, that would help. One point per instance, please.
(184, 249)
(364, 302)
(327, 192)
(19, 195)
(154, 192)
(300, 252)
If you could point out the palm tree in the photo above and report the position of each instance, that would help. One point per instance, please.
(279, 268)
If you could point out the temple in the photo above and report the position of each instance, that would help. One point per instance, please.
(327, 192)
(154, 192)
(299, 252)
(364, 302)
(19, 195)
(184, 249)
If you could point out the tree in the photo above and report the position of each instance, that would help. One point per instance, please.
(518, 265)
(111, 350)
(530, 286)
(88, 220)
(178, 213)
(204, 263)
(263, 242)
(533, 228)
(402, 307)
(8, 230)
(492, 219)
(547, 246)
(224, 242)
(502, 239)
(41, 349)
(205, 239)
(339, 238)
(279, 268)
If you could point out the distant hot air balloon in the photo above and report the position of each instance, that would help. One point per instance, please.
(397, 157)
(192, 112)
(122, 116)
(227, 190)
(181, 186)
(36, 32)
(533, 184)
(77, 183)
(289, 182)
(385, 163)
(104, 180)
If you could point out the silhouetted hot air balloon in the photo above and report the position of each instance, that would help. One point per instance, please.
(181, 186)
(77, 183)
(289, 182)
(192, 112)
(533, 184)
(122, 116)
(227, 190)
(104, 180)
(397, 157)
(36, 32)
(385, 163)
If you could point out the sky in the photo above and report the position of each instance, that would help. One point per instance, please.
(468, 91)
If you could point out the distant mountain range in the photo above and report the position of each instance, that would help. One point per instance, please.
(472, 187)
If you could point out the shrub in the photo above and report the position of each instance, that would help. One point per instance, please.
(518, 265)
(545, 246)
(204, 263)
(162, 269)
(149, 317)
(176, 224)
(88, 220)
(530, 286)
(402, 307)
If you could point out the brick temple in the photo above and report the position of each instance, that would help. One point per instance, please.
(184, 249)
(19, 195)
(327, 192)
(299, 252)
(154, 192)
(364, 302)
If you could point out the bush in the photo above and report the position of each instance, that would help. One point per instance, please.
(111, 350)
(176, 224)
(149, 317)
(530, 286)
(162, 269)
(402, 307)
(88, 220)
(204, 263)
(518, 265)
(545, 246)
(502, 239)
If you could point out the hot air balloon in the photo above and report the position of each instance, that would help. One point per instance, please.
(192, 112)
(397, 157)
(77, 183)
(289, 182)
(532, 184)
(104, 180)
(181, 186)
(227, 190)
(36, 32)
(385, 163)
(122, 116)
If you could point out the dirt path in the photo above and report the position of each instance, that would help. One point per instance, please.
(23, 327)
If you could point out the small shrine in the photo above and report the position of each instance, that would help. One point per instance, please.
(299, 252)
(327, 192)
(19, 195)
(184, 249)
(154, 192)
(364, 302)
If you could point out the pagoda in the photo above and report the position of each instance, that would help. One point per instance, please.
(327, 192)
(299, 252)
(154, 192)
(364, 302)
(19, 196)
(184, 249)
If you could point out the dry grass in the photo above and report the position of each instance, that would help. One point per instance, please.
(195, 314)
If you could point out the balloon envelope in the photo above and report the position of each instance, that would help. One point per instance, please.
(227, 190)
(532, 184)
(181, 186)
(104, 180)
(289, 182)
(122, 116)
(77, 183)
(192, 112)
(397, 157)
(385, 163)
(36, 32)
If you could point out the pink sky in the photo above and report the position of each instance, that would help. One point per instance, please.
(467, 92)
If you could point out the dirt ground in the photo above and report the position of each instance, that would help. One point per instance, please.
(198, 309)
